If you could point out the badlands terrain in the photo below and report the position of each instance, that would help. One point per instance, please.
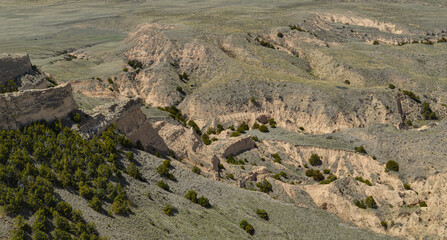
(309, 119)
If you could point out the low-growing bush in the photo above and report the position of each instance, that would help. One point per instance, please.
(191, 196)
(263, 128)
(280, 35)
(315, 160)
(195, 127)
(168, 210)
(309, 172)
(370, 202)
(262, 214)
(206, 139)
(247, 227)
(235, 134)
(427, 112)
(163, 185)
(133, 171)
(384, 224)
(317, 175)
(204, 202)
(411, 95)
(326, 171)
(360, 149)
(423, 204)
(391, 86)
(365, 181)
(230, 176)
(264, 186)
(360, 204)
(196, 170)
(392, 166)
(407, 186)
(276, 157)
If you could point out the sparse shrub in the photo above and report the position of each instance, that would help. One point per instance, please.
(276, 158)
(309, 172)
(235, 134)
(196, 170)
(133, 171)
(220, 128)
(125, 69)
(272, 122)
(243, 127)
(326, 171)
(204, 202)
(301, 128)
(365, 181)
(231, 160)
(318, 176)
(412, 95)
(263, 128)
(262, 214)
(360, 203)
(206, 139)
(376, 42)
(384, 224)
(392, 166)
(264, 186)
(77, 118)
(255, 126)
(191, 196)
(247, 227)
(135, 64)
(391, 86)
(280, 35)
(329, 179)
(255, 138)
(266, 44)
(163, 170)
(195, 127)
(168, 210)
(428, 113)
(180, 90)
(230, 176)
(163, 185)
(407, 186)
(315, 160)
(95, 203)
(423, 204)
(370, 202)
(347, 82)
(360, 149)
(183, 76)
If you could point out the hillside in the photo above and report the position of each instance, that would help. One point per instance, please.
(327, 114)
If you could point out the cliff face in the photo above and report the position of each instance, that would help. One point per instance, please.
(23, 107)
(129, 120)
(12, 66)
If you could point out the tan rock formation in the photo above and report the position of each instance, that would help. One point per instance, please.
(129, 120)
(23, 107)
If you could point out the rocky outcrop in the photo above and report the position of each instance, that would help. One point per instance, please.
(256, 174)
(20, 108)
(234, 146)
(13, 66)
(19, 69)
(129, 120)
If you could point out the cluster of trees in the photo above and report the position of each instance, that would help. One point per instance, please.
(40, 157)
